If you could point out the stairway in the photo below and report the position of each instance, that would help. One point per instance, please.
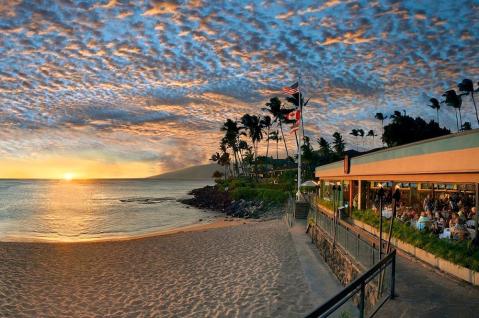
(301, 210)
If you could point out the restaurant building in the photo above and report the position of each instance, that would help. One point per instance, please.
(444, 169)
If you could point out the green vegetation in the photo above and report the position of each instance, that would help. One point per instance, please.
(458, 252)
(250, 189)
(326, 203)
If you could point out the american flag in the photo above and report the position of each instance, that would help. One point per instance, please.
(291, 90)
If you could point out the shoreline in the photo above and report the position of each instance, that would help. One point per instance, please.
(211, 270)
(195, 227)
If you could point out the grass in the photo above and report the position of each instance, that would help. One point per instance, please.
(459, 252)
(249, 189)
(262, 194)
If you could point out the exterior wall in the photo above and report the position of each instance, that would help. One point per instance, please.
(452, 158)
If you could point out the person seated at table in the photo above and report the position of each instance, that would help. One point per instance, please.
(438, 223)
(459, 231)
(428, 203)
(472, 213)
(454, 220)
(422, 222)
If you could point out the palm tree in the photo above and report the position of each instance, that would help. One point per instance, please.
(361, 134)
(274, 135)
(382, 118)
(338, 144)
(266, 123)
(467, 86)
(222, 159)
(435, 105)
(274, 108)
(231, 138)
(455, 101)
(252, 125)
(355, 133)
(371, 133)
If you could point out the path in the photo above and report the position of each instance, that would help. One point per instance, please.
(322, 282)
(422, 291)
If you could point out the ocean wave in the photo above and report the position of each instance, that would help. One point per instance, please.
(146, 200)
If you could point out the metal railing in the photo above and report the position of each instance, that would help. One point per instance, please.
(365, 295)
(365, 254)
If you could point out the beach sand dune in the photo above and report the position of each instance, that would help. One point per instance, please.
(250, 270)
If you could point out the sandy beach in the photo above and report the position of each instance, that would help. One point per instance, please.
(245, 270)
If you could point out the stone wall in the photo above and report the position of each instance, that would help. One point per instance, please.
(344, 267)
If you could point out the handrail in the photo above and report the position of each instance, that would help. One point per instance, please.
(359, 284)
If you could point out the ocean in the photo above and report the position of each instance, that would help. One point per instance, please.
(84, 210)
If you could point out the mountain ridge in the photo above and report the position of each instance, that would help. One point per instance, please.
(198, 172)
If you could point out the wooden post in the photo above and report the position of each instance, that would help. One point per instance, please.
(476, 238)
(360, 194)
(351, 196)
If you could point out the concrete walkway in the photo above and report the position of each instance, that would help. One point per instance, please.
(322, 282)
(423, 292)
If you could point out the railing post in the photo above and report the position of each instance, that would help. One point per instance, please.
(357, 247)
(393, 275)
(361, 300)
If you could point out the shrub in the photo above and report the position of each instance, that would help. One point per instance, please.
(266, 195)
(460, 252)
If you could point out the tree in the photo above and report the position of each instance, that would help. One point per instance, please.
(435, 105)
(324, 148)
(266, 123)
(338, 144)
(371, 133)
(231, 139)
(466, 126)
(381, 117)
(274, 135)
(405, 129)
(467, 86)
(217, 174)
(307, 157)
(252, 125)
(455, 101)
(274, 108)
(355, 133)
(361, 134)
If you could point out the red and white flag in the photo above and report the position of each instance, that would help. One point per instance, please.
(294, 115)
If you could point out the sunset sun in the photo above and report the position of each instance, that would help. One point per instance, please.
(68, 176)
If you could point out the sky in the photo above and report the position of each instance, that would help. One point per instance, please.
(114, 88)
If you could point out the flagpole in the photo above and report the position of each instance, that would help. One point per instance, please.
(300, 104)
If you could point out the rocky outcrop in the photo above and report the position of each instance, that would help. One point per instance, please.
(212, 198)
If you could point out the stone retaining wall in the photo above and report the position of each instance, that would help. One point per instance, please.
(344, 267)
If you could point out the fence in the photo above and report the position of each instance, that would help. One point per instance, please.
(365, 295)
(365, 254)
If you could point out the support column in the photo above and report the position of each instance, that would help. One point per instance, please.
(360, 195)
(351, 196)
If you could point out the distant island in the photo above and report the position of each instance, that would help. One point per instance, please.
(200, 172)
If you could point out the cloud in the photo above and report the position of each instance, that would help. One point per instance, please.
(161, 76)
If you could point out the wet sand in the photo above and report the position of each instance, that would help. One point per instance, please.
(248, 270)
